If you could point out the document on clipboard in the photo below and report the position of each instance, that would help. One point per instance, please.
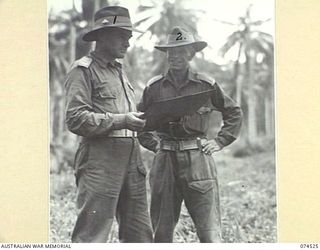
(167, 110)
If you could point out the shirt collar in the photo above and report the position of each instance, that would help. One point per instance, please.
(103, 62)
(191, 77)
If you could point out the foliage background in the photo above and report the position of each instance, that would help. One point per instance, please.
(246, 169)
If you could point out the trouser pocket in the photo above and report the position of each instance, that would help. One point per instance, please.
(202, 172)
(202, 186)
(81, 157)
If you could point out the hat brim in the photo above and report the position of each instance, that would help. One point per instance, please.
(91, 35)
(198, 46)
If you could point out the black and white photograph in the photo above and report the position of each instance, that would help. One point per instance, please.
(162, 121)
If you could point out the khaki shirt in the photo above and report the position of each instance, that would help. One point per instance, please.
(98, 95)
(197, 124)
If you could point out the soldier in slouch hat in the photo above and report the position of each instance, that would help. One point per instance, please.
(183, 168)
(100, 108)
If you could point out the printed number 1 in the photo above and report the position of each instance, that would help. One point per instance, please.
(179, 37)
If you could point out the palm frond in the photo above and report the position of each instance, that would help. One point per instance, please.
(136, 24)
(262, 46)
(148, 24)
(259, 22)
(144, 15)
(232, 40)
(222, 21)
(266, 36)
(142, 8)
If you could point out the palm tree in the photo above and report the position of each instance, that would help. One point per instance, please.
(249, 43)
(160, 16)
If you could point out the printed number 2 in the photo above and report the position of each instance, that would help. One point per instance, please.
(179, 37)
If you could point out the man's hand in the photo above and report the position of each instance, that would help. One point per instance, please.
(134, 122)
(210, 146)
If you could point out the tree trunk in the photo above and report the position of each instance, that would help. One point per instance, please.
(239, 91)
(236, 77)
(73, 42)
(272, 104)
(252, 119)
(267, 116)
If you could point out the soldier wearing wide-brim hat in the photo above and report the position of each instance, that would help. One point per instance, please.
(100, 107)
(183, 168)
(181, 37)
(109, 17)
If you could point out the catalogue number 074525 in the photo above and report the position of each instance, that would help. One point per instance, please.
(310, 246)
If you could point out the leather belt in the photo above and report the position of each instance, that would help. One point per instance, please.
(180, 145)
(122, 133)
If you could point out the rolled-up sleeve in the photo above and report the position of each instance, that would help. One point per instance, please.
(80, 117)
(231, 115)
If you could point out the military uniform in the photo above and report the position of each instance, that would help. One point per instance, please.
(181, 171)
(109, 172)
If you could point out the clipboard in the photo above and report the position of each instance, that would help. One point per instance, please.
(172, 109)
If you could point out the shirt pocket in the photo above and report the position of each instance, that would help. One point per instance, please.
(198, 121)
(107, 94)
(105, 97)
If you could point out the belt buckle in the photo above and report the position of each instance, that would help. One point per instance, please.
(174, 145)
(130, 133)
(181, 145)
(178, 145)
(199, 142)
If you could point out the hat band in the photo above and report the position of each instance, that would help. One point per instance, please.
(113, 20)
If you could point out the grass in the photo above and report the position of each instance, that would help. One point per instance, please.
(247, 195)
